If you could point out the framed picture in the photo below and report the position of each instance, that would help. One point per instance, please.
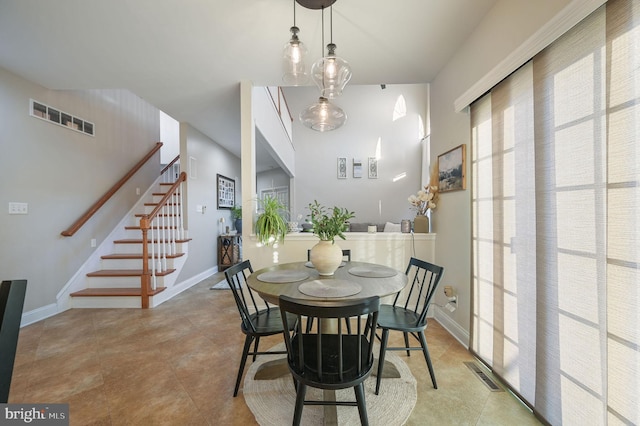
(342, 167)
(373, 168)
(226, 192)
(451, 169)
(357, 168)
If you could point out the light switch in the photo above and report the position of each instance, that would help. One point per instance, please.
(18, 208)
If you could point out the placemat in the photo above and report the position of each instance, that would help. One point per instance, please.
(373, 271)
(310, 265)
(329, 288)
(286, 276)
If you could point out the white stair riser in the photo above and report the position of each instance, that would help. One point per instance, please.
(136, 234)
(132, 263)
(168, 210)
(157, 198)
(119, 282)
(106, 302)
(137, 248)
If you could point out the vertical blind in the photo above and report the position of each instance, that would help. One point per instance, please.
(556, 224)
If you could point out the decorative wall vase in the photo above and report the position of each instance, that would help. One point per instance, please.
(421, 224)
(326, 257)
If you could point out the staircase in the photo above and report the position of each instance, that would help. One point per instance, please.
(120, 281)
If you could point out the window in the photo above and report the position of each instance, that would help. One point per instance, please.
(556, 232)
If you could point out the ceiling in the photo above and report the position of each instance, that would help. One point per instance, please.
(187, 57)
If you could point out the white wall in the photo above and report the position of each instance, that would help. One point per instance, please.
(370, 129)
(508, 25)
(61, 173)
(209, 159)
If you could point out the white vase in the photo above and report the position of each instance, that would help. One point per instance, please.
(326, 257)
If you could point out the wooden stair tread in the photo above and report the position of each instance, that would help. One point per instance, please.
(104, 292)
(121, 256)
(126, 273)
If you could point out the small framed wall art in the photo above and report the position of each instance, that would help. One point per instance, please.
(342, 167)
(357, 168)
(451, 169)
(226, 192)
(373, 168)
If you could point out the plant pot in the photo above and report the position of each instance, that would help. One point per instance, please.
(326, 257)
(238, 225)
(421, 224)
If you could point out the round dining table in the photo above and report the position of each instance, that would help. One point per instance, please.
(352, 280)
(300, 280)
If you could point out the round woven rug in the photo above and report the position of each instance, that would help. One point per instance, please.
(271, 397)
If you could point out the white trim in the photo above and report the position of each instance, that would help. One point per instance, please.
(460, 334)
(572, 14)
(179, 288)
(39, 314)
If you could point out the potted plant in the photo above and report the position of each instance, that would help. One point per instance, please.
(326, 256)
(236, 213)
(271, 227)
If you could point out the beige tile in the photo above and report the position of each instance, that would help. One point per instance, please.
(177, 364)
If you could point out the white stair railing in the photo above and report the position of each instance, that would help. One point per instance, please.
(160, 235)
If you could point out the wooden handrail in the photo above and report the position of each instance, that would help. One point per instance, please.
(149, 217)
(87, 215)
(169, 165)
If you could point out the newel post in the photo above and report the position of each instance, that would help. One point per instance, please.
(145, 283)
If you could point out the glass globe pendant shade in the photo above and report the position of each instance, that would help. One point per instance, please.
(331, 73)
(294, 57)
(323, 116)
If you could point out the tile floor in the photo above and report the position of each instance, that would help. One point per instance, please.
(176, 365)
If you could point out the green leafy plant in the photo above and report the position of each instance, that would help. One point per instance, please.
(271, 226)
(236, 212)
(329, 224)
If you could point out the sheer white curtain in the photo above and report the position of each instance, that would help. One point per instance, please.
(556, 210)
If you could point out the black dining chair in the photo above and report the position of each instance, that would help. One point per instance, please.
(346, 255)
(258, 317)
(11, 305)
(410, 316)
(328, 358)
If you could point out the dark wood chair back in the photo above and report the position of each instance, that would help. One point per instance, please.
(11, 304)
(424, 278)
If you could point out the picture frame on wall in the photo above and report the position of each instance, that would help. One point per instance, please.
(357, 168)
(451, 170)
(342, 167)
(226, 192)
(373, 168)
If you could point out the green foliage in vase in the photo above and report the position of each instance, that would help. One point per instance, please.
(329, 224)
(236, 212)
(271, 226)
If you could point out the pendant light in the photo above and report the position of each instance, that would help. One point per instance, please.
(294, 57)
(323, 116)
(330, 73)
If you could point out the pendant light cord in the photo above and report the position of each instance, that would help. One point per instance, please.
(331, 25)
(322, 47)
(294, 13)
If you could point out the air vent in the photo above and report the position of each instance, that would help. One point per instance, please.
(54, 115)
(480, 374)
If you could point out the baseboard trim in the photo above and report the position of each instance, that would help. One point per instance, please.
(39, 314)
(459, 333)
(184, 285)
